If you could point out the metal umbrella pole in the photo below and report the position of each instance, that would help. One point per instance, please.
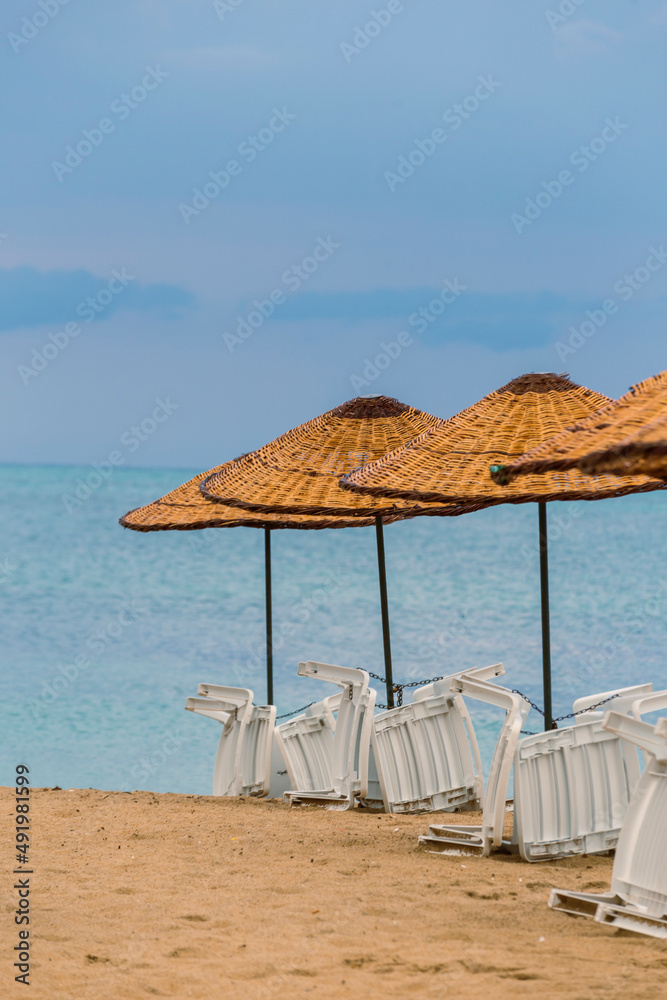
(384, 605)
(269, 617)
(546, 634)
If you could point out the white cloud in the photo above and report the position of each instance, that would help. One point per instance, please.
(586, 37)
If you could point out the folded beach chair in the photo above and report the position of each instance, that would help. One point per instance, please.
(638, 897)
(243, 760)
(327, 759)
(572, 786)
(426, 752)
(482, 839)
(306, 743)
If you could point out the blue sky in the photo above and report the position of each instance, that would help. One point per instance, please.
(366, 166)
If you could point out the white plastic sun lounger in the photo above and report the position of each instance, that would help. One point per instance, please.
(572, 786)
(306, 743)
(257, 747)
(426, 752)
(638, 898)
(315, 748)
(243, 760)
(489, 836)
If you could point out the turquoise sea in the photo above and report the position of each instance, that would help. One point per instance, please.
(105, 632)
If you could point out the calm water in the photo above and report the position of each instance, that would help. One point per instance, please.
(107, 631)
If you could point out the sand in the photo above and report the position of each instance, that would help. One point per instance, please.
(140, 894)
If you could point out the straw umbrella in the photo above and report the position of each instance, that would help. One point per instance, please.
(449, 464)
(627, 437)
(302, 468)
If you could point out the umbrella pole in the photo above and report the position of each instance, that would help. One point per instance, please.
(269, 618)
(546, 635)
(384, 605)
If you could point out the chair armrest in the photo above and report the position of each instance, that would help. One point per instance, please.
(492, 694)
(233, 695)
(444, 686)
(343, 676)
(211, 708)
(653, 739)
(655, 702)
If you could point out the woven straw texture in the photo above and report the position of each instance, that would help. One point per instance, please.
(625, 437)
(185, 509)
(450, 462)
(641, 453)
(299, 472)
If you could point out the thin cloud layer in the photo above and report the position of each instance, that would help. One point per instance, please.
(31, 297)
(499, 321)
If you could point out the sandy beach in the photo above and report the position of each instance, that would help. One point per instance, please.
(142, 894)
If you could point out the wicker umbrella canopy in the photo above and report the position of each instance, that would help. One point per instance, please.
(292, 482)
(299, 472)
(185, 509)
(627, 437)
(449, 464)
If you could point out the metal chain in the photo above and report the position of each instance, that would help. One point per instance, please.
(589, 709)
(295, 712)
(570, 715)
(531, 703)
(408, 684)
(399, 688)
(414, 684)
